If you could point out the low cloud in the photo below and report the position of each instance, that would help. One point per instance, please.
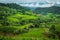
(50, 2)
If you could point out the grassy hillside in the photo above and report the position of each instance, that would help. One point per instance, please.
(18, 24)
(53, 9)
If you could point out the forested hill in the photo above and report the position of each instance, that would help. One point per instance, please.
(13, 16)
(15, 6)
(19, 23)
(53, 9)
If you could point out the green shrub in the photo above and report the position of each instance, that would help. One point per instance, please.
(9, 30)
(5, 38)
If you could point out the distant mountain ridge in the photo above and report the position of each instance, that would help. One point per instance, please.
(14, 6)
(43, 10)
(53, 9)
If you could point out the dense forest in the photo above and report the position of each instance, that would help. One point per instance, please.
(53, 9)
(22, 23)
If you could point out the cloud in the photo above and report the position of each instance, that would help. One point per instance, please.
(27, 1)
(10, 1)
(37, 5)
(15, 1)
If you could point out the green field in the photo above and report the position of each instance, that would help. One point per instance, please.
(20, 23)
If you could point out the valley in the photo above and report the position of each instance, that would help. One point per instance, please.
(25, 23)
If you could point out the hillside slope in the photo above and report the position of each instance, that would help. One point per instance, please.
(53, 9)
(20, 24)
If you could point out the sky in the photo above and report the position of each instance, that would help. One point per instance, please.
(27, 1)
(18, 1)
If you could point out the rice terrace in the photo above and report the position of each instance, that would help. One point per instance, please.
(29, 19)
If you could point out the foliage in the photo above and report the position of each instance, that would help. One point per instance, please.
(19, 20)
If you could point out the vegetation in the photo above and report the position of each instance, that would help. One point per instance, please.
(20, 23)
(53, 9)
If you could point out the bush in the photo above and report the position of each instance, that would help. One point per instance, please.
(5, 38)
(9, 30)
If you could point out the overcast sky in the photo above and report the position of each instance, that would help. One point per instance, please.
(18, 1)
(53, 2)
